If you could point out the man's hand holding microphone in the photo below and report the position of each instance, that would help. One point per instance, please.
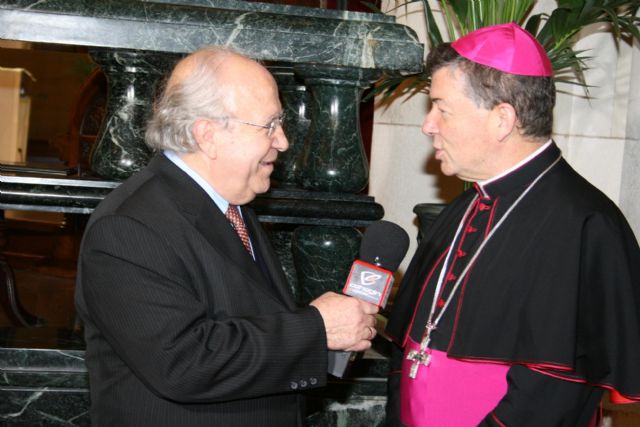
(350, 323)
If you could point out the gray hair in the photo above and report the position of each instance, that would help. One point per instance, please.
(200, 94)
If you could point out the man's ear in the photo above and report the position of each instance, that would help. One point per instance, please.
(506, 120)
(203, 132)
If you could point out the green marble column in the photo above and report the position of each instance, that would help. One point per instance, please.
(332, 160)
(133, 77)
(333, 157)
(323, 256)
(295, 103)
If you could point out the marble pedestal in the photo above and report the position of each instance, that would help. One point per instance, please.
(49, 387)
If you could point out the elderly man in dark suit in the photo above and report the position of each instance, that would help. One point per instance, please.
(187, 314)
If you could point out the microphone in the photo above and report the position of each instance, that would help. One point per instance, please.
(383, 246)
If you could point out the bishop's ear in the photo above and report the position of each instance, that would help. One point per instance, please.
(506, 120)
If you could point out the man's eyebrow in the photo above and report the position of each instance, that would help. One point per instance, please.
(276, 115)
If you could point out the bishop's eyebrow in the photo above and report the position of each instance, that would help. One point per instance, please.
(439, 102)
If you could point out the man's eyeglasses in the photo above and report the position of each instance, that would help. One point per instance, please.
(271, 126)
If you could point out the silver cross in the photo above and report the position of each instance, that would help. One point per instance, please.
(421, 357)
(417, 357)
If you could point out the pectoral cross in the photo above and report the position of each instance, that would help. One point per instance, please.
(421, 357)
(417, 357)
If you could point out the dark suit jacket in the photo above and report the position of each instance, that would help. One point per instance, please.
(183, 328)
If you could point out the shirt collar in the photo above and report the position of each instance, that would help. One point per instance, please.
(213, 194)
(520, 174)
(517, 166)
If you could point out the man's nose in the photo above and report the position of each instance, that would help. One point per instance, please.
(428, 126)
(280, 141)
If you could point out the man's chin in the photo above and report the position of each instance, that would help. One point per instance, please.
(446, 170)
(262, 188)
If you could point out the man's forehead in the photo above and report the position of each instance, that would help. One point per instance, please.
(182, 71)
(445, 80)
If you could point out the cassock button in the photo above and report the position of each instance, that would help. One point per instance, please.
(440, 302)
(293, 385)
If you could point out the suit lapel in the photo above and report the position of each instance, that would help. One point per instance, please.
(202, 212)
(274, 268)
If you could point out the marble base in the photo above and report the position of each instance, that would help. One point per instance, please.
(41, 386)
(49, 387)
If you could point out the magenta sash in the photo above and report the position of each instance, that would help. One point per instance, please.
(449, 392)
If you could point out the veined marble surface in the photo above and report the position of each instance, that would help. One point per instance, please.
(49, 387)
(292, 206)
(264, 32)
(42, 386)
(281, 8)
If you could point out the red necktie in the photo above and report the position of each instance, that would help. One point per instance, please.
(233, 215)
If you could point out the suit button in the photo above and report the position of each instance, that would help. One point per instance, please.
(303, 383)
(313, 381)
(293, 385)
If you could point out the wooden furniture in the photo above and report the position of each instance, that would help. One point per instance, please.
(15, 108)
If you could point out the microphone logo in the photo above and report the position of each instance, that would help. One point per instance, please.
(369, 283)
(369, 278)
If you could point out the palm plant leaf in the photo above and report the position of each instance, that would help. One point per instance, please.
(557, 32)
(464, 16)
(435, 38)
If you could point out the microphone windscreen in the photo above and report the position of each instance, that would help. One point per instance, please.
(384, 244)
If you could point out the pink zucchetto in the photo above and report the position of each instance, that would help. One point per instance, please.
(505, 47)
